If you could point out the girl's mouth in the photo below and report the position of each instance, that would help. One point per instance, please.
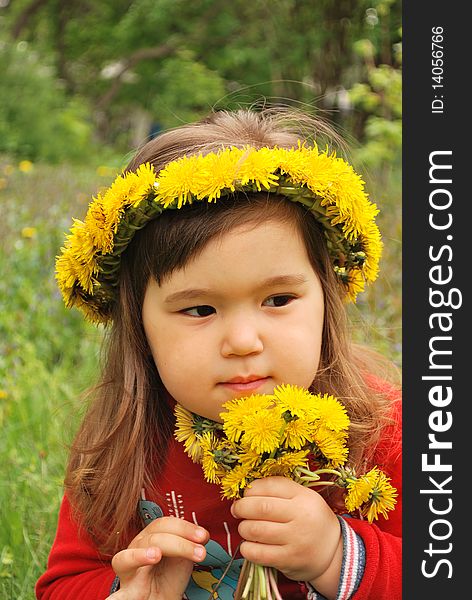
(242, 384)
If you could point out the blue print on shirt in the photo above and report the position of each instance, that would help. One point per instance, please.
(207, 574)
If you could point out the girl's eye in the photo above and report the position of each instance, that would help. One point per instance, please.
(276, 301)
(199, 311)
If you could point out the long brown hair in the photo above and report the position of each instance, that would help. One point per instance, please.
(121, 444)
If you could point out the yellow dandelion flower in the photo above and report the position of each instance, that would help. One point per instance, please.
(101, 232)
(91, 312)
(373, 246)
(65, 276)
(128, 190)
(81, 253)
(76, 267)
(25, 166)
(358, 490)
(258, 166)
(212, 470)
(145, 178)
(298, 401)
(292, 162)
(263, 431)
(356, 284)
(78, 264)
(332, 445)
(247, 404)
(29, 232)
(218, 173)
(237, 410)
(234, 482)
(72, 272)
(284, 465)
(297, 433)
(184, 423)
(179, 181)
(233, 427)
(320, 174)
(3, 394)
(382, 499)
(249, 458)
(185, 432)
(330, 412)
(193, 448)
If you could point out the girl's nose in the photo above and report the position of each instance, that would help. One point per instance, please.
(241, 337)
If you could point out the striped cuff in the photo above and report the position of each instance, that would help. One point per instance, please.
(115, 586)
(352, 567)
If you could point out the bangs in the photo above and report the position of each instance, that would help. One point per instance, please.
(176, 238)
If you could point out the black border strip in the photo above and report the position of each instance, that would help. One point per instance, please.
(436, 349)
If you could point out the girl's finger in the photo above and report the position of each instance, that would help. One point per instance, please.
(262, 508)
(174, 546)
(178, 527)
(126, 562)
(265, 554)
(279, 487)
(263, 532)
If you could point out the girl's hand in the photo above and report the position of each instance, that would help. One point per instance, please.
(290, 527)
(159, 561)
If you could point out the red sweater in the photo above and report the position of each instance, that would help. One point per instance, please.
(77, 571)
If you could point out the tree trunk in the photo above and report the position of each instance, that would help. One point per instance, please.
(24, 18)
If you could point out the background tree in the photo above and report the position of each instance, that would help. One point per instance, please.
(143, 64)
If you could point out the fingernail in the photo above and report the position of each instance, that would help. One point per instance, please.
(199, 552)
(200, 534)
(151, 553)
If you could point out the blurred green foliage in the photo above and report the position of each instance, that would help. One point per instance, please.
(186, 88)
(380, 101)
(37, 119)
(119, 69)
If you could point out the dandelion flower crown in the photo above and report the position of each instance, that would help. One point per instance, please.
(87, 269)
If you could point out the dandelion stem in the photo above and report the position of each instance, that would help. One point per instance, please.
(241, 580)
(333, 471)
(228, 566)
(315, 483)
(267, 581)
(256, 588)
(274, 586)
(306, 478)
(262, 583)
(318, 472)
(311, 474)
(250, 577)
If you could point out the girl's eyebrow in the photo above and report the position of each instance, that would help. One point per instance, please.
(191, 294)
(297, 279)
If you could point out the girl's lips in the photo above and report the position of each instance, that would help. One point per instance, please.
(242, 386)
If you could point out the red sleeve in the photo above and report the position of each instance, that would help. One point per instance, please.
(75, 569)
(382, 579)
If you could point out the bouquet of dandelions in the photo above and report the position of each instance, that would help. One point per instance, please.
(291, 433)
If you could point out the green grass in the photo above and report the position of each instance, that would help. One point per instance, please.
(48, 355)
(376, 317)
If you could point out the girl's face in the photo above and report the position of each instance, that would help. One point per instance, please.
(241, 318)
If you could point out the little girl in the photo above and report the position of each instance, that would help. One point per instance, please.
(221, 260)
